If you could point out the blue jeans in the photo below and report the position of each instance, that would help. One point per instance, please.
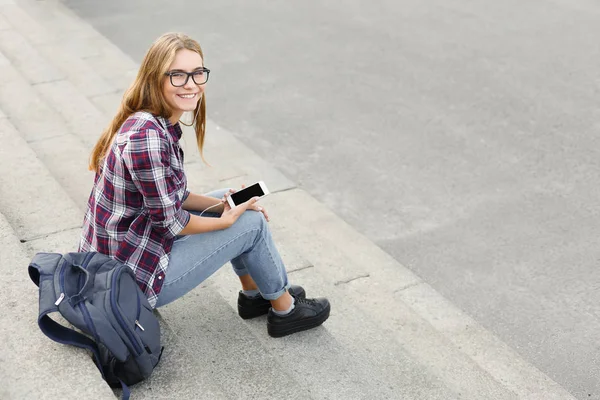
(247, 244)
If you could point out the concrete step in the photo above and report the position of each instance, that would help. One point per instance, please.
(82, 117)
(409, 359)
(209, 351)
(364, 364)
(320, 364)
(63, 155)
(31, 199)
(73, 52)
(350, 356)
(225, 354)
(31, 365)
(44, 129)
(348, 267)
(66, 107)
(180, 373)
(26, 58)
(27, 109)
(178, 363)
(68, 124)
(36, 19)
(38, 42)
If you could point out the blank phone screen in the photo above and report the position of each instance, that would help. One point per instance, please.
(246, 194)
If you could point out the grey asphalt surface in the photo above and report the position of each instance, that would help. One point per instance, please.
(460, 136)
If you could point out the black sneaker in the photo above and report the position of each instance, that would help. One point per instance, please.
(252, 307)
(307, 314)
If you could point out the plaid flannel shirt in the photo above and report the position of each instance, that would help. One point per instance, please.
(135, 208)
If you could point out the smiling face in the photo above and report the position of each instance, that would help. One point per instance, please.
(186, 97)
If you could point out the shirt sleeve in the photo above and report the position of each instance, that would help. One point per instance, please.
(185, 195)
(147, 156)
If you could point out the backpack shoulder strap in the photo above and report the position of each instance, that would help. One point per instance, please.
(64, 335)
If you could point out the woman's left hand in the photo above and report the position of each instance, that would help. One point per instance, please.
(261, 209)
(254, 207)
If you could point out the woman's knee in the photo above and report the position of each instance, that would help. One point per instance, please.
(254, 219)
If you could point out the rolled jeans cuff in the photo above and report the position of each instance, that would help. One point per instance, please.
(240, 271)
(276, 295)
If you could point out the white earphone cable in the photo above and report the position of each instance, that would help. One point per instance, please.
(210, 208)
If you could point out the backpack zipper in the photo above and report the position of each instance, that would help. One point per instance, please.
(86, 313)
(139, 310)
(60, 299)
(138, 306)
(61, 282)
(88, 321)
(120, 319)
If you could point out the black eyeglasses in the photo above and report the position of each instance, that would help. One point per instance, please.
(181, 78)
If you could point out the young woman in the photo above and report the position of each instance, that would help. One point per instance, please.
(140, 212)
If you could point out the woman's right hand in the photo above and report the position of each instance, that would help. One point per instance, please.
(230, 215)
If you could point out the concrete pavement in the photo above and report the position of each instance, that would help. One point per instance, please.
(390, 335)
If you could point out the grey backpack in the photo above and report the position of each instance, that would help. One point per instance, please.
(100, 297)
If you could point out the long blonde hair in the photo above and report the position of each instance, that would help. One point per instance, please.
(146, 94)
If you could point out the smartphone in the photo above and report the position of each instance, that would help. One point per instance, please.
(243, 195)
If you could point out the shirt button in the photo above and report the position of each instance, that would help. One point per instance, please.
(160, 277)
